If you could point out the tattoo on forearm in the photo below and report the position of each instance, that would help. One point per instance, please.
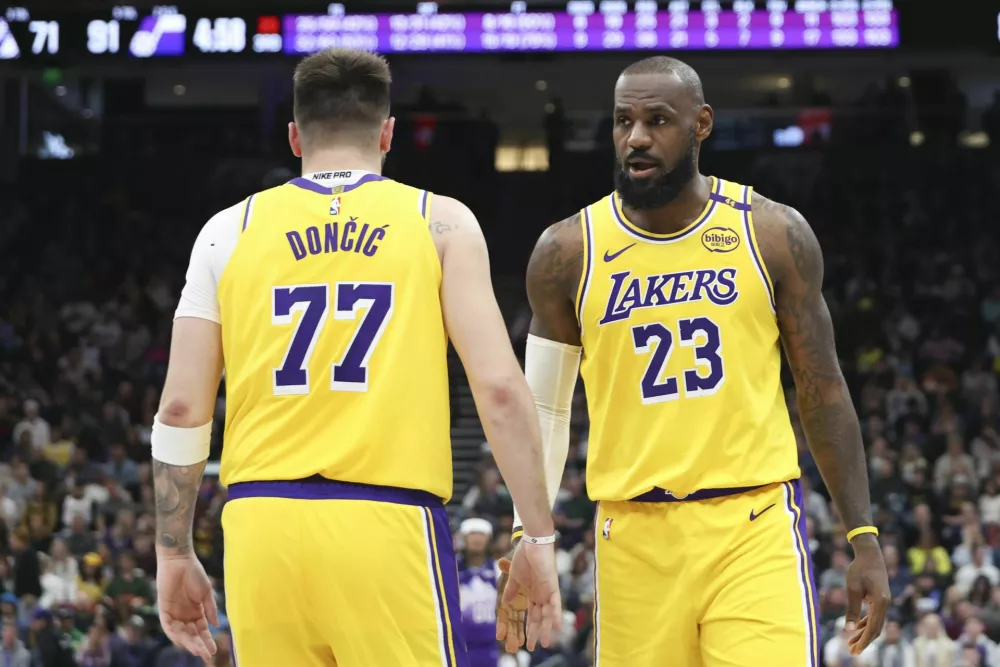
(826, 410)
(176, 489)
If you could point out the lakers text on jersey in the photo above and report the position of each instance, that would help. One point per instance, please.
(701, 544)
(681, 355)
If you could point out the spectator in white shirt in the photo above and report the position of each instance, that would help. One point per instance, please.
(932, 646)
(891, 649)
(989, 504)
(78, 503)
(33, 424)
(979, 567)
(836, 653)
(59, 581)
(974, 635)
(10, 512)
(21, 488)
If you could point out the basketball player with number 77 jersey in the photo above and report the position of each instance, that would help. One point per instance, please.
(331, 300)
(679, 289)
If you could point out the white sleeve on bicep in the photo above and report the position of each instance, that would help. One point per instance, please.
(212, 250)
(552, 369)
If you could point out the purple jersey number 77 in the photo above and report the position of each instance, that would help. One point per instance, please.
(351, 372)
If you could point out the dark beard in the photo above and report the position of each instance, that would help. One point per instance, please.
(646, 194)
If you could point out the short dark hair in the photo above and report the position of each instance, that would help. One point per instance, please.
(341, 90)
(668, 65)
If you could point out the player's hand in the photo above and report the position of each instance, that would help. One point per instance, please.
(533, 572)
(186, 604)
(867, 581)
(510, 616)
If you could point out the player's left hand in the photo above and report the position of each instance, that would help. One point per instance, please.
(186, 604)
(867, 581)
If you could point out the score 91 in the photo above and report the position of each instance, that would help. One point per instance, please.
(103, 36)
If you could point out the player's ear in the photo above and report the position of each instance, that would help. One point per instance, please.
(385, 136)
(295, 139)
(705, 123)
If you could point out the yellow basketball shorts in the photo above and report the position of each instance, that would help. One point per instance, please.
(719, 582)
(330, 574)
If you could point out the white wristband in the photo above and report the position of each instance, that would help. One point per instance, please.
(180, 446)
(551, 539)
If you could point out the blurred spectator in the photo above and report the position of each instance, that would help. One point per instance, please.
(932, 646)
(12, 650)
(893, 650)
(27, 570)
(36, 428)
(981, 566)
(489, 498)
(477, 577)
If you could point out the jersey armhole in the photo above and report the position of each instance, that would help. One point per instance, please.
(755, 255)
(247, 213)
(424, 205)
(588, 263)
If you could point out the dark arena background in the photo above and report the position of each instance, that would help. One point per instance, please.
(125, 127)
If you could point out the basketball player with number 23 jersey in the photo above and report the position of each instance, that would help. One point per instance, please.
(679, 290)
(331, 300)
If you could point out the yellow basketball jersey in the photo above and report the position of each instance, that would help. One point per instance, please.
(334, 341)
(681, 362)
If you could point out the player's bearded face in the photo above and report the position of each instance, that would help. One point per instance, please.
(663, 186)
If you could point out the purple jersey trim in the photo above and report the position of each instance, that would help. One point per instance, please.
(320, 488)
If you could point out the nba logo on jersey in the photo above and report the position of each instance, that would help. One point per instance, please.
(607, 528)
(335, 206)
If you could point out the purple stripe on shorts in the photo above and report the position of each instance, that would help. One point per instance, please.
(320, 488)
(806, 575)
(313, 186)
(449, 607)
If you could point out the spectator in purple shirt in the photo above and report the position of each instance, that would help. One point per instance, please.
(477, 578)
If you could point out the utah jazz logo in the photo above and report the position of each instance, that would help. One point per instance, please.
(720, 239)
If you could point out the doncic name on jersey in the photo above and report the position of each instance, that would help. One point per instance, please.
(630, 292)
(336, 237)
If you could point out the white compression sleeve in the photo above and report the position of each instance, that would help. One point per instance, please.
(551, 369)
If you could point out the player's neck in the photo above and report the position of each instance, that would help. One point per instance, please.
(341, 159)
(676, 215)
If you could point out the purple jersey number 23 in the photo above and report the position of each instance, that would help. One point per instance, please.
(704, 379)
(351, 372)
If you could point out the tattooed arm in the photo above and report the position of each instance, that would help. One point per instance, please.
(186, 407)
(554, 273)
(795, 262)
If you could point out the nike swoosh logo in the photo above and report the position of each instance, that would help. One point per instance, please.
(608, 258)
(756, 516)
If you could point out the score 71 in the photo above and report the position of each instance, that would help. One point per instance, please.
(46, 36)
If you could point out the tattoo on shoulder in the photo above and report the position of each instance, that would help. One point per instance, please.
(782, 232)
(557, 261)
(554, 273)
(440, 227)
(176, 491)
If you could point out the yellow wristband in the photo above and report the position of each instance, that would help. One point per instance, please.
(862, 530)
(516, 534)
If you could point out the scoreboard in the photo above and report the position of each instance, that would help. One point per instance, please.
(190, 30)
(126, 32)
